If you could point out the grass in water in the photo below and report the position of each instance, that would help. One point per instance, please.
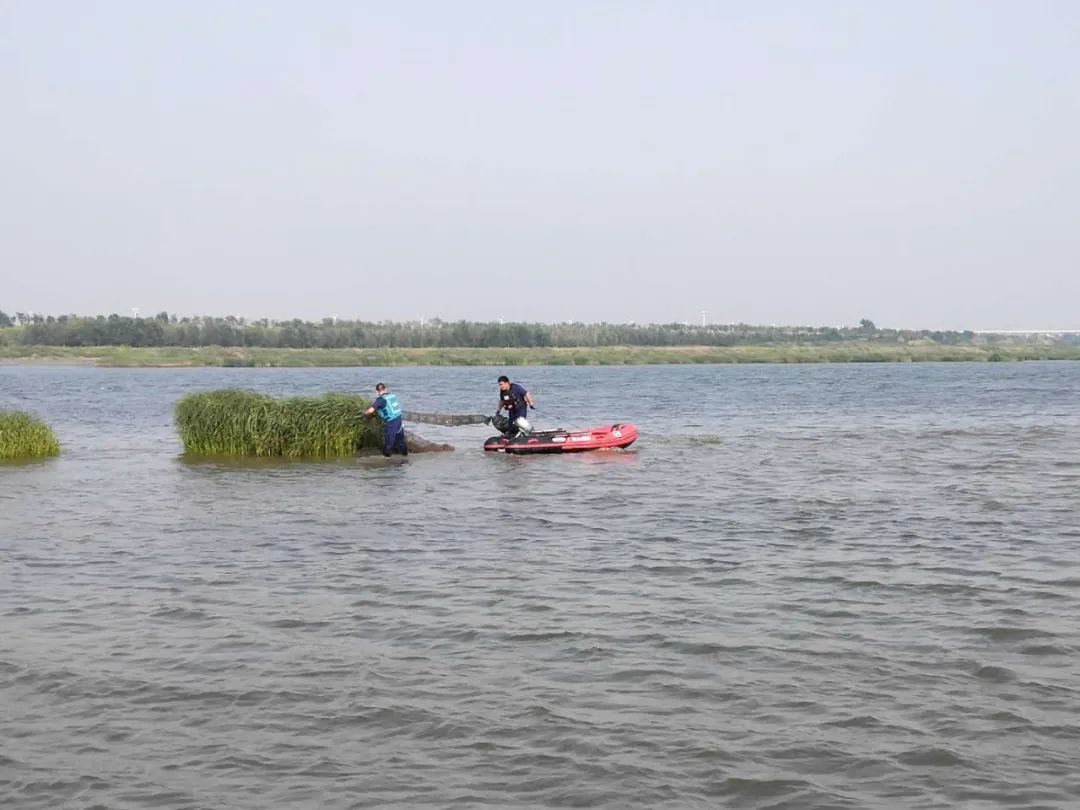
(245, 423)
(23, 436)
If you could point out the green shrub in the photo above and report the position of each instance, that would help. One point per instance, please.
(245, 423)
(23, 436)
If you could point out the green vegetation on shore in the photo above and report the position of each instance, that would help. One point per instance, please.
(245, 423)
(847, 352)
(166, 340)
(23, 436)
(168, 330)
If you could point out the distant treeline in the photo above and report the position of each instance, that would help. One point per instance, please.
(165, 329)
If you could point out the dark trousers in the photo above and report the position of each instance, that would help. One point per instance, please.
(514, 417)
(394, 438)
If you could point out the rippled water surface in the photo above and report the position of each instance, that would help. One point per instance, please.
(818, 586)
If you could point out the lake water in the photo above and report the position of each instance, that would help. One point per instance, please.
(848, 586)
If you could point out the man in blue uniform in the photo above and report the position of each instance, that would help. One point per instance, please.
(515, 399)
(388, 408)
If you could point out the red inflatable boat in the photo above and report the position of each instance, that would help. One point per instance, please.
(608, 437)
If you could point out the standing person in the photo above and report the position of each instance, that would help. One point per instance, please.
(516, 400)
(388, 408)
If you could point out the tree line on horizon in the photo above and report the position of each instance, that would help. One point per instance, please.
(165, 329)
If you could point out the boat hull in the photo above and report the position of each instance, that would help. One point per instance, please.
(607, 437)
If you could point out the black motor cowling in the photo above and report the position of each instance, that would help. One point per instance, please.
(502, 424)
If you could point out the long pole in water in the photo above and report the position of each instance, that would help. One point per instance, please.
(548, 410)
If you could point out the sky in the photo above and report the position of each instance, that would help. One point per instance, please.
(816, 163)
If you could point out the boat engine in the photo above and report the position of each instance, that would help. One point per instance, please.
(511, 429)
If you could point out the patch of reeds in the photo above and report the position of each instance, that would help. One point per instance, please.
(234, 422)
(23, 436)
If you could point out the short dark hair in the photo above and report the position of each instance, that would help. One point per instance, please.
(504, 378)
(380, 386)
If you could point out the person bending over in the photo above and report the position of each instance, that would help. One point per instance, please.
(516, 400)
(388, 408)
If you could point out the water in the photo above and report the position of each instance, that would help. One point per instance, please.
(819, 586)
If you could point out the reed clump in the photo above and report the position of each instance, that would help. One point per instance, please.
(23, 436)
(234, 422)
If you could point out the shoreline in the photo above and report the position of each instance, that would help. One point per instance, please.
(236, 357)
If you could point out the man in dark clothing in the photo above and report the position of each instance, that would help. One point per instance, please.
(388, 408)
(515, 399)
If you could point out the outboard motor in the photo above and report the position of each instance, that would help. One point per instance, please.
(511, 429)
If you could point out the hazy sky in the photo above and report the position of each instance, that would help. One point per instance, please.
(917, 163)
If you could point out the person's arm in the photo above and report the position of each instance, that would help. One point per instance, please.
(529, 399)
(374, 404)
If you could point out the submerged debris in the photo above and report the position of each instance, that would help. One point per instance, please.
(447, 419)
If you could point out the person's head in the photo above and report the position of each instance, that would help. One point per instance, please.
(504, 382)
(380, 389)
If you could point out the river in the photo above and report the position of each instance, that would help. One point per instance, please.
(821, 586)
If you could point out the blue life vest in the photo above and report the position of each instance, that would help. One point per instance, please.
(391, 410)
